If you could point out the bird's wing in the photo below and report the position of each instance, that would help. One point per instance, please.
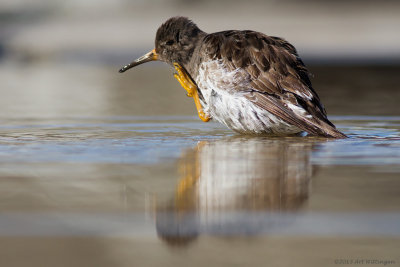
(272, 76)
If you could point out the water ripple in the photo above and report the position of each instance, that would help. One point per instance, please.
(148, 140)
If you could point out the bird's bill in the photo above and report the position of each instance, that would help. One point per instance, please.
(151, 56)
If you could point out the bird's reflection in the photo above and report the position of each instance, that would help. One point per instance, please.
(235, 186)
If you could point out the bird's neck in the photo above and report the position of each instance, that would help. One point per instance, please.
(191, 65)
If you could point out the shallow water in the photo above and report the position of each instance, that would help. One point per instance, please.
(174, 181)
(92, 186)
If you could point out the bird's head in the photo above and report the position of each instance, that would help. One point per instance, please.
(175, 42)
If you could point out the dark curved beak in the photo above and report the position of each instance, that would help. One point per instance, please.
(151, 56)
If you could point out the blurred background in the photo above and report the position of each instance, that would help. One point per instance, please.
(99, 168)
(51, 50)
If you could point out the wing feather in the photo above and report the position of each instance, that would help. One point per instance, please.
(275, 78)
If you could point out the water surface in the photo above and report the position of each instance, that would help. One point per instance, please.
(83, 182)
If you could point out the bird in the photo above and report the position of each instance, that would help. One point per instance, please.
(251, 82)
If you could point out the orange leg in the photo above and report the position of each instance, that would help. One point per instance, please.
(191, 89)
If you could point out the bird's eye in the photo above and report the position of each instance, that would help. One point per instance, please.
(170, 42)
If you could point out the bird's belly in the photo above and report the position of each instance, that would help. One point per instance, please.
(241, 115)
(226, 104)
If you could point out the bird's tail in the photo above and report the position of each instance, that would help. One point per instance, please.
(322, 128)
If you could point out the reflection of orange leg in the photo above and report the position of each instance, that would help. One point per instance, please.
(191, 88)
(186, 183)
(190, 169)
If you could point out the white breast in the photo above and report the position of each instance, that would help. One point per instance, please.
(230, 107)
